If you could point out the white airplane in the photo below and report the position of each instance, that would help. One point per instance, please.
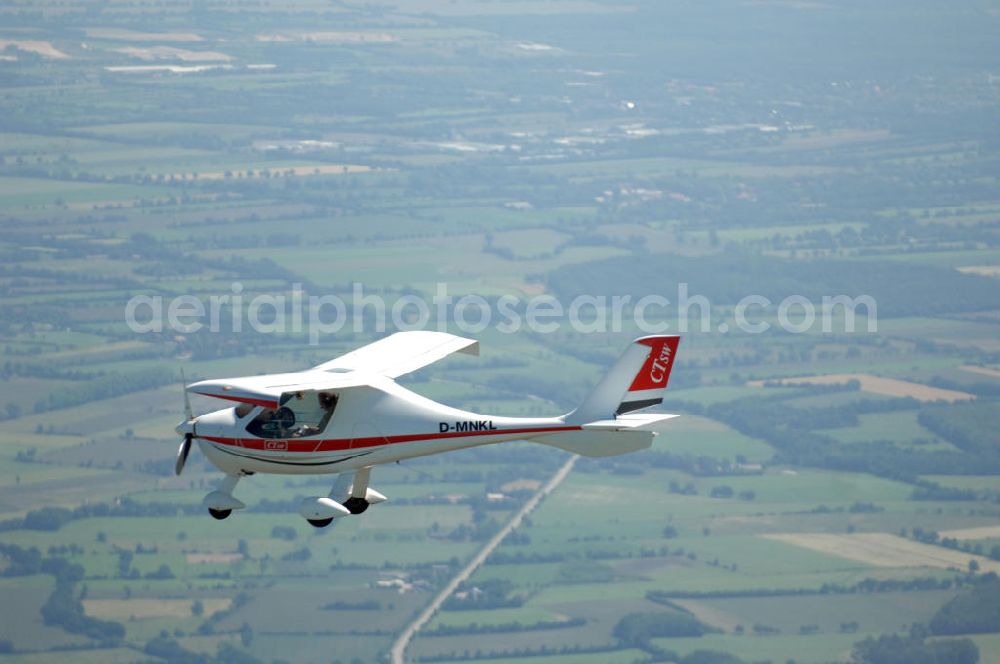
(348, 415)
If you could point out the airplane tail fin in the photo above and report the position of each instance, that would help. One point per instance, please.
(637, 380)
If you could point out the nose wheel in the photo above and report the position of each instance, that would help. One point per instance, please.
(220, 503)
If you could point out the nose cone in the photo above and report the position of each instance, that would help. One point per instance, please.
(185, 427)
(218, 423)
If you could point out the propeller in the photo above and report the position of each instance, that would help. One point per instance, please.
(187, 428)
(182, 453)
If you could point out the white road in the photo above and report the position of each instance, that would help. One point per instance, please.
(399, 646)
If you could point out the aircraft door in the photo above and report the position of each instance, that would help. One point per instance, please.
(366, 435)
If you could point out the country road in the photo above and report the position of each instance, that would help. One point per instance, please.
(399, 646)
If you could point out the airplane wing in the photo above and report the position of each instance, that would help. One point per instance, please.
(271, 391)
(401, 353)
(392, 356)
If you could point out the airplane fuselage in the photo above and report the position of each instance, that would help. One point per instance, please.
(371, 426)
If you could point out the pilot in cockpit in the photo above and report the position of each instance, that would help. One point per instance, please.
(302, 415)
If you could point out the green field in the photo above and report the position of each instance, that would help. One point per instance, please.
(672, 158)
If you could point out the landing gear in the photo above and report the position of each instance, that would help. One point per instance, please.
(320, 511)
(354, 492)
(356, 505)
(350, 495)
(220, 503)
(320, 523)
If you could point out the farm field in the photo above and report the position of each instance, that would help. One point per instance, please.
(553, 179)
(878, 385)
(883, 550)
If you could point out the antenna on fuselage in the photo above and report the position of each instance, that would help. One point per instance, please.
(415, 470)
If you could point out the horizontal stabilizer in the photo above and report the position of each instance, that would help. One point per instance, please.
(598, 442)
(630, 421)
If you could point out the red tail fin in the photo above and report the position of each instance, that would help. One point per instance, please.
(636, 380)
(651, 380)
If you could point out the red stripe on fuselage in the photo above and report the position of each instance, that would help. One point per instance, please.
(306, 445)
(255, 402)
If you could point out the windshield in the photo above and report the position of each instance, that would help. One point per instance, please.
(304, 414)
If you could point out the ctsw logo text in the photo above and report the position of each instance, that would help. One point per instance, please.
(658, 373)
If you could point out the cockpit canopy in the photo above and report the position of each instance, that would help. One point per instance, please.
(299, 415)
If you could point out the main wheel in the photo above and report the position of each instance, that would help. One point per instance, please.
(219, 514)
(320, 523)
(356, 505)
